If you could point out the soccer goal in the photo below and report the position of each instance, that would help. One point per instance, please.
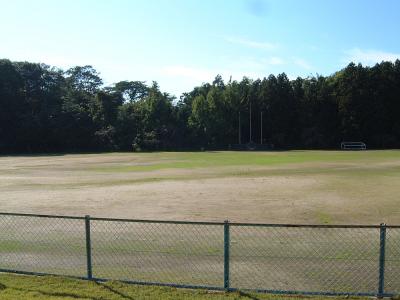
(353, 146)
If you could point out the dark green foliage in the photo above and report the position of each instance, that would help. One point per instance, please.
(46, 109)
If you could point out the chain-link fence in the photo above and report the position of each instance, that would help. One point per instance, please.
(303, 259)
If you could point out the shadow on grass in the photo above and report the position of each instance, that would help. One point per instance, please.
(55, 294)
(248, 296)
(114, 291)
(68, 295)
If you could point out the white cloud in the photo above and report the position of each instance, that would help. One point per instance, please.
(369, 57)
(273, 61)
(187, 76)
(189, 72)
(253, 64)
(60, 60)
(252, 44)
(236, 67)
(302, 64)
(200, 75)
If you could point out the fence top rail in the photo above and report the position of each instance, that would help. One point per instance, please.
(196, 222)
(314, 225)
(41, 216)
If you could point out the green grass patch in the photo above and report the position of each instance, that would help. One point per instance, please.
(324, 218)
(17, 287)
(190, 160)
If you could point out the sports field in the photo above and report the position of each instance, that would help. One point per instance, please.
(314, 187)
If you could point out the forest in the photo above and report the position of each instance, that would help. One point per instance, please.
(47, 109)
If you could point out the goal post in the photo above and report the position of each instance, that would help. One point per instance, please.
(353, 146)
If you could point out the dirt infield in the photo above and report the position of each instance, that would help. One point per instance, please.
(274, 187)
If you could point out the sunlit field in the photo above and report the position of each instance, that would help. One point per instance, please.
(313, 187)
(308, 187)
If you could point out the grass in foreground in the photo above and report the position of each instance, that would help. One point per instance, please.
(16, 287)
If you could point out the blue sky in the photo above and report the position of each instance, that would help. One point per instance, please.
(182, 43)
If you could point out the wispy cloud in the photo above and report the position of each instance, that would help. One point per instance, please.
(237, 67)
(302, 64)
(369, 57)
(273, 61)
(245, 64)
(252, 44)
(199, 74)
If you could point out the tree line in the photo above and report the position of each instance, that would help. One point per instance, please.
(46, 109)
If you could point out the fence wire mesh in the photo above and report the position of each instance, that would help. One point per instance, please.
(341, 260)
(183, 254)
(392, 261)
(304, 259)
(43, 245)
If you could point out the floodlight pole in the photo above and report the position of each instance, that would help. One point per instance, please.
(250, 122)
(240, 130)
(261, 139)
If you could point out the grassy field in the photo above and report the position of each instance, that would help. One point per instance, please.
(312, 187)
(14, 287)
(329, 187)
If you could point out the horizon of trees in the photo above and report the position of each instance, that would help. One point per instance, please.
(46, 109)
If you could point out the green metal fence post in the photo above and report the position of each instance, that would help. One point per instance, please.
(382, 246)
(88, 248)
(226, 255)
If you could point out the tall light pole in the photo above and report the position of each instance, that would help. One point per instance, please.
(240, 130)
(261, 139)
(250, 122)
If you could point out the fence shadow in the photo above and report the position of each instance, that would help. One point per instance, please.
(114, 291)
(247, 295)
